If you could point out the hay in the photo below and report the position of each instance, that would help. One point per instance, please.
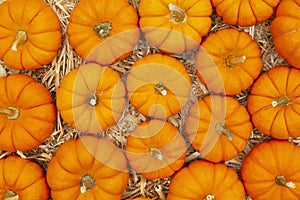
(51, 75)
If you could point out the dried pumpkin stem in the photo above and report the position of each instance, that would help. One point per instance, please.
(232, 61)
(281, 180)
(282, 101)
(156, 153)
(103, 29)
(21, 38)
(10, 112)
(161, 89)
(87, 182)
(177, 14)
(10, 195)
(210, 197)
(222, 129)
(93, 100)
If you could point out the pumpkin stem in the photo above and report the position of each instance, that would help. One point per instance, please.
(222, 129)
(87, 182)
(281, 180)
(10, 195)
(210, 197)
(21, 38)
(282, 101)
(177, 14)
(103, 29)
(161, 89)
(10, 112)
(93, 100)
(156, 153)
(231, 60)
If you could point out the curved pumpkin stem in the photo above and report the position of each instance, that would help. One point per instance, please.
(87, 182)
(10, 195)
(281, 180)
(210, 197)
(93, 100)
(231, 61)
(282, 101)
(103, 29)
(161, 89)
(222, 129)
(21, 38)
(156, 153)
(10, 112)
(177, 14)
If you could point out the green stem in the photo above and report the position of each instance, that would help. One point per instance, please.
(87, 182)
(103, 29)
(282, 101)
(10, 112)
(281, 180)
(222, 129)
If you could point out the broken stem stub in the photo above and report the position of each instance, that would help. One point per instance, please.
(177, 15)
(156, 153)
(87, 182)
(282, 101)
(281, 180)
(103, 29)
(232, 61)
(161, 89)
(10, 195)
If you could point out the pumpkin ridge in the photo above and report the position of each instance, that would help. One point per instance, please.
(274, 84)
(24, 127)
(39, 47)
(31, 55)
(253, 13)
(38, 11)
(18, 175)
(274, 119)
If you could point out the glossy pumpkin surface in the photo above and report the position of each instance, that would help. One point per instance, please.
(158, 86)
(205, 180)
(274, 102)
(91, 98)
(271, 171)
(175, 26)
(22, 179)
(27, 114)
(155, 149)
(103, 31)
(228, 61)
(88, 168)
(29, 34)
(218, 127)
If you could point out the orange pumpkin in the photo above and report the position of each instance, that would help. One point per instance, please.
(228, 61)
(245, 13)
(29, 34)
(27, 114)
(22, 179)
(284, 29)
(103, 31)
(274, 103)
(91, 98)
(155, 149)
(207, 181)
(139, 198)
(88, 168)
(218, 127)
(175, 26)
(271, 171)
(158, 86)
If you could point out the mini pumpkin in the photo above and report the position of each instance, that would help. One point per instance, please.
(284, 29)
(22, 179)
(139, 198)
(277, 171)
(218, 127)
(88, 168)
(228, 61)
(158, 86)
(91, 98)
(103, 31)
(155, 149)
(205, 180)
(29, 34)
(245, 13)
(274, 102)
(175, 26)
(27, 114)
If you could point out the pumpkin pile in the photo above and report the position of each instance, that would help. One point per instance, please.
(149, 99)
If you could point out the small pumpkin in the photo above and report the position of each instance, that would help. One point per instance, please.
(27, 114)
(155, 149)
(87, 168)
(218, 127)
(158, 86)
(103, 31)
(22, 179)
(274, 103)
(271, 171)
(207, 181)
(139, 198)
(175, 26)
(284, 29)
(228, 61)
(29, 34)
(91, 98)
(245, 13)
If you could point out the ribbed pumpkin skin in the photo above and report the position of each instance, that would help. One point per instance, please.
(266, 161)
(280, 84)
(24, 178)
(284, 29)
(37, 113)
(88, 155)
(201, 178)
(43, 35)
